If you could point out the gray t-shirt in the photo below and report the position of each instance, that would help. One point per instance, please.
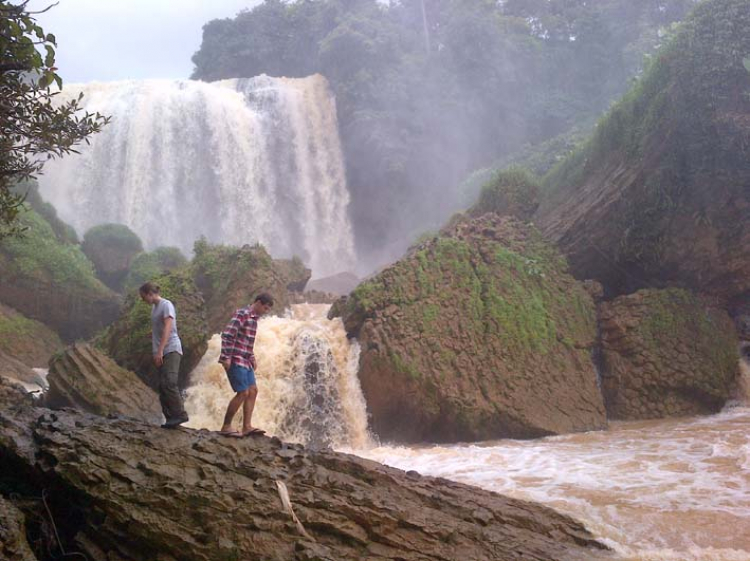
(159, 312)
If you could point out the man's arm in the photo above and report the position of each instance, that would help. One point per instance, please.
(159, 358)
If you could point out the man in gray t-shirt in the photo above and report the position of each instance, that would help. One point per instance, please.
(167, 351)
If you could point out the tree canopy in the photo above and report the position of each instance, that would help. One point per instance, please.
(429, 90)
(33, 126)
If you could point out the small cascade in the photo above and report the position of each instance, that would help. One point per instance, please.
(308, 390)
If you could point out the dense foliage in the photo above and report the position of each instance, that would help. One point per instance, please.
(428, 90)
(147, 266)
(32, 127)
(513, 191)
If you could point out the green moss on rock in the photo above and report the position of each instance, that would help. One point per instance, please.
(666, 353)
(111, 248)
(231, 277)
(53, 282)
(513, 191)
(471, 325)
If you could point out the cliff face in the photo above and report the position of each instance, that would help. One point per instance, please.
(660, 195)
(479, 333)
(119, 489)
(52, 281)
(27, 340)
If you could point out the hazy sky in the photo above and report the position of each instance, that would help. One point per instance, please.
(123, 39)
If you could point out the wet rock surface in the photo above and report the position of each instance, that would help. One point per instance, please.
(13, 542)
(479, 333)
(666, 353)
(141, 493)
(86, 379)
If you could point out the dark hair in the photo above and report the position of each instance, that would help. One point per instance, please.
(264, 298)
(149, 288)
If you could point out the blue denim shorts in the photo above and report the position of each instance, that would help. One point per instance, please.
(240, 378)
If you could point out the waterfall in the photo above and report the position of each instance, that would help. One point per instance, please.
(237, 161)
(308, 390)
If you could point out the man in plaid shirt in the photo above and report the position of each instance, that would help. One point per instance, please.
(238, 360)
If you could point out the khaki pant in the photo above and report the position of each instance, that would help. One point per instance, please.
(169, 393)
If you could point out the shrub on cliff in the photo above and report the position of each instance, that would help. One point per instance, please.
(111, 247)
(513, 192)
(146, 266)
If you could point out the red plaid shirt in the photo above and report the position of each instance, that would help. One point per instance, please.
(238, 338)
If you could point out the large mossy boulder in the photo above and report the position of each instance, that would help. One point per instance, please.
(86, 379)
(50, 280)
(666, 353)
(111, 248)
(27, 340)
(479, 333)
(231, 277)
(128, 340)
(660, 195)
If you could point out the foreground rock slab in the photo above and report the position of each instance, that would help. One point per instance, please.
(141, 493)
(87, 379)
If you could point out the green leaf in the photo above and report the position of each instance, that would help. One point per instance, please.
(58, 81)
(49, 60)
(51, 38)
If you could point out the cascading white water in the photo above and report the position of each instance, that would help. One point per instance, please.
(308, 389)
(237, 161)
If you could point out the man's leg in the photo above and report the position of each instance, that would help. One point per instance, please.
(169, 393)
(234, 405)
(247, 409)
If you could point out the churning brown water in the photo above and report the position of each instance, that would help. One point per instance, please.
(675, 490)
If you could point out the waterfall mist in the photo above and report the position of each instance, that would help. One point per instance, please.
(238, 161)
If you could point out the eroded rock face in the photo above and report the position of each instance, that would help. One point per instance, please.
(86, 379)
(666, 353)
(27, 340)
(479, 333)
(660, 196)
(143, 493)
(13, 543)
(128, 340)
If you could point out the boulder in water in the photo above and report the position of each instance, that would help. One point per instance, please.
(123, 490)
(666, 353)
(86, 379)
(479, 333)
